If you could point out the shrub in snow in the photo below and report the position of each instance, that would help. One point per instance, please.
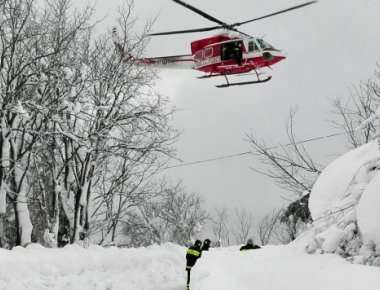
(344, 204)
(50, 239)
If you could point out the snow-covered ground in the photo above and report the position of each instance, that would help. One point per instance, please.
(162, 267)
(344, 205)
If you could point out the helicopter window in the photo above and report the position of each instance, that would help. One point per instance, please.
(232, 50)
(208, 52)
(198, 55)
(252, 46)
(264, 44)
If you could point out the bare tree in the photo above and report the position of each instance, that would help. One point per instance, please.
(220, 227)
(290, 166)
(355, 115)
(268, 227)
(295, 171)
(124, 185)
(173, 215)
(244, 225)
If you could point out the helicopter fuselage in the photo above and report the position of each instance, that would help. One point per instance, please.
(223, 54)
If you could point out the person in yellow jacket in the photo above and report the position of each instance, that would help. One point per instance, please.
(193, 253)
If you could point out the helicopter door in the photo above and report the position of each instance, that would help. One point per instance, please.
(232, 51)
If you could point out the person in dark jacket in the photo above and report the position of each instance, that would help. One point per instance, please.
(237, 53)
(249, 246)
(192, 255)
(206, 245)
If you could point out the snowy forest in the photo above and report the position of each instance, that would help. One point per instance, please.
(85, 137)
(82, 132)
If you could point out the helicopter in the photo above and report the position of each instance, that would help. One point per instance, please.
(230, 52)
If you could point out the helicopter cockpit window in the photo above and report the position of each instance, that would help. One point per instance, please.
(264, 45)
(252, 46)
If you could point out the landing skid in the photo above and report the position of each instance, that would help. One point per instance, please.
(228, 84)
(209, 76)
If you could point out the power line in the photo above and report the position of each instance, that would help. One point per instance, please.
(222, 157)
(209, 160)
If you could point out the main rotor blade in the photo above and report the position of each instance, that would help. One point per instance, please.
(186, 31)
(275, 13)
(205, 15)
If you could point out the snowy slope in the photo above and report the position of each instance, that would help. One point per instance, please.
(162, 267)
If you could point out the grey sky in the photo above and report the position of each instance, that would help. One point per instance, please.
(330, 46)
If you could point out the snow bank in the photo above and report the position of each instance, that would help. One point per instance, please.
(333, 182)
(368, 213)
(281, 267)
(162, 267)
(95, 268)
(344, 204)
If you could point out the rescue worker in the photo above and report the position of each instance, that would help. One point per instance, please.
(249, 246)
(206, 245)
(238, 53)
(192, 255)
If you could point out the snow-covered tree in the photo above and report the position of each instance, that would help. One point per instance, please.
(24, 68)
(173, 216)
(81, 128)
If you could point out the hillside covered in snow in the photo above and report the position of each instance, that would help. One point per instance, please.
(344, 206)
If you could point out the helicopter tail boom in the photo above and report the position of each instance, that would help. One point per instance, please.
(184, 61)
(173, 62)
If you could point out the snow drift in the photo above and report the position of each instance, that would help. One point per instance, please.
(344, 204)
(95, 268)
(163, 268)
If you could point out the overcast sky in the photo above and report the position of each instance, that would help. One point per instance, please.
(330, 46)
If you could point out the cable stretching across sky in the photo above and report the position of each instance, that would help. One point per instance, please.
(229, 156)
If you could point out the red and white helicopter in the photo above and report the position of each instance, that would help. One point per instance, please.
(231, 52)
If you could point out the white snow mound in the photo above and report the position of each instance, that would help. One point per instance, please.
(344, 204)
(333, 182)
(368, 213)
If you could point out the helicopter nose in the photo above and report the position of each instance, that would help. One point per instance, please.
(273, 56)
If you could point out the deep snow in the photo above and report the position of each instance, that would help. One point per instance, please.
(344, 203)
(163, 268)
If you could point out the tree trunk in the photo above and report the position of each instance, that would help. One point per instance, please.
(2, 230)
(25, 225)
(4, 155)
